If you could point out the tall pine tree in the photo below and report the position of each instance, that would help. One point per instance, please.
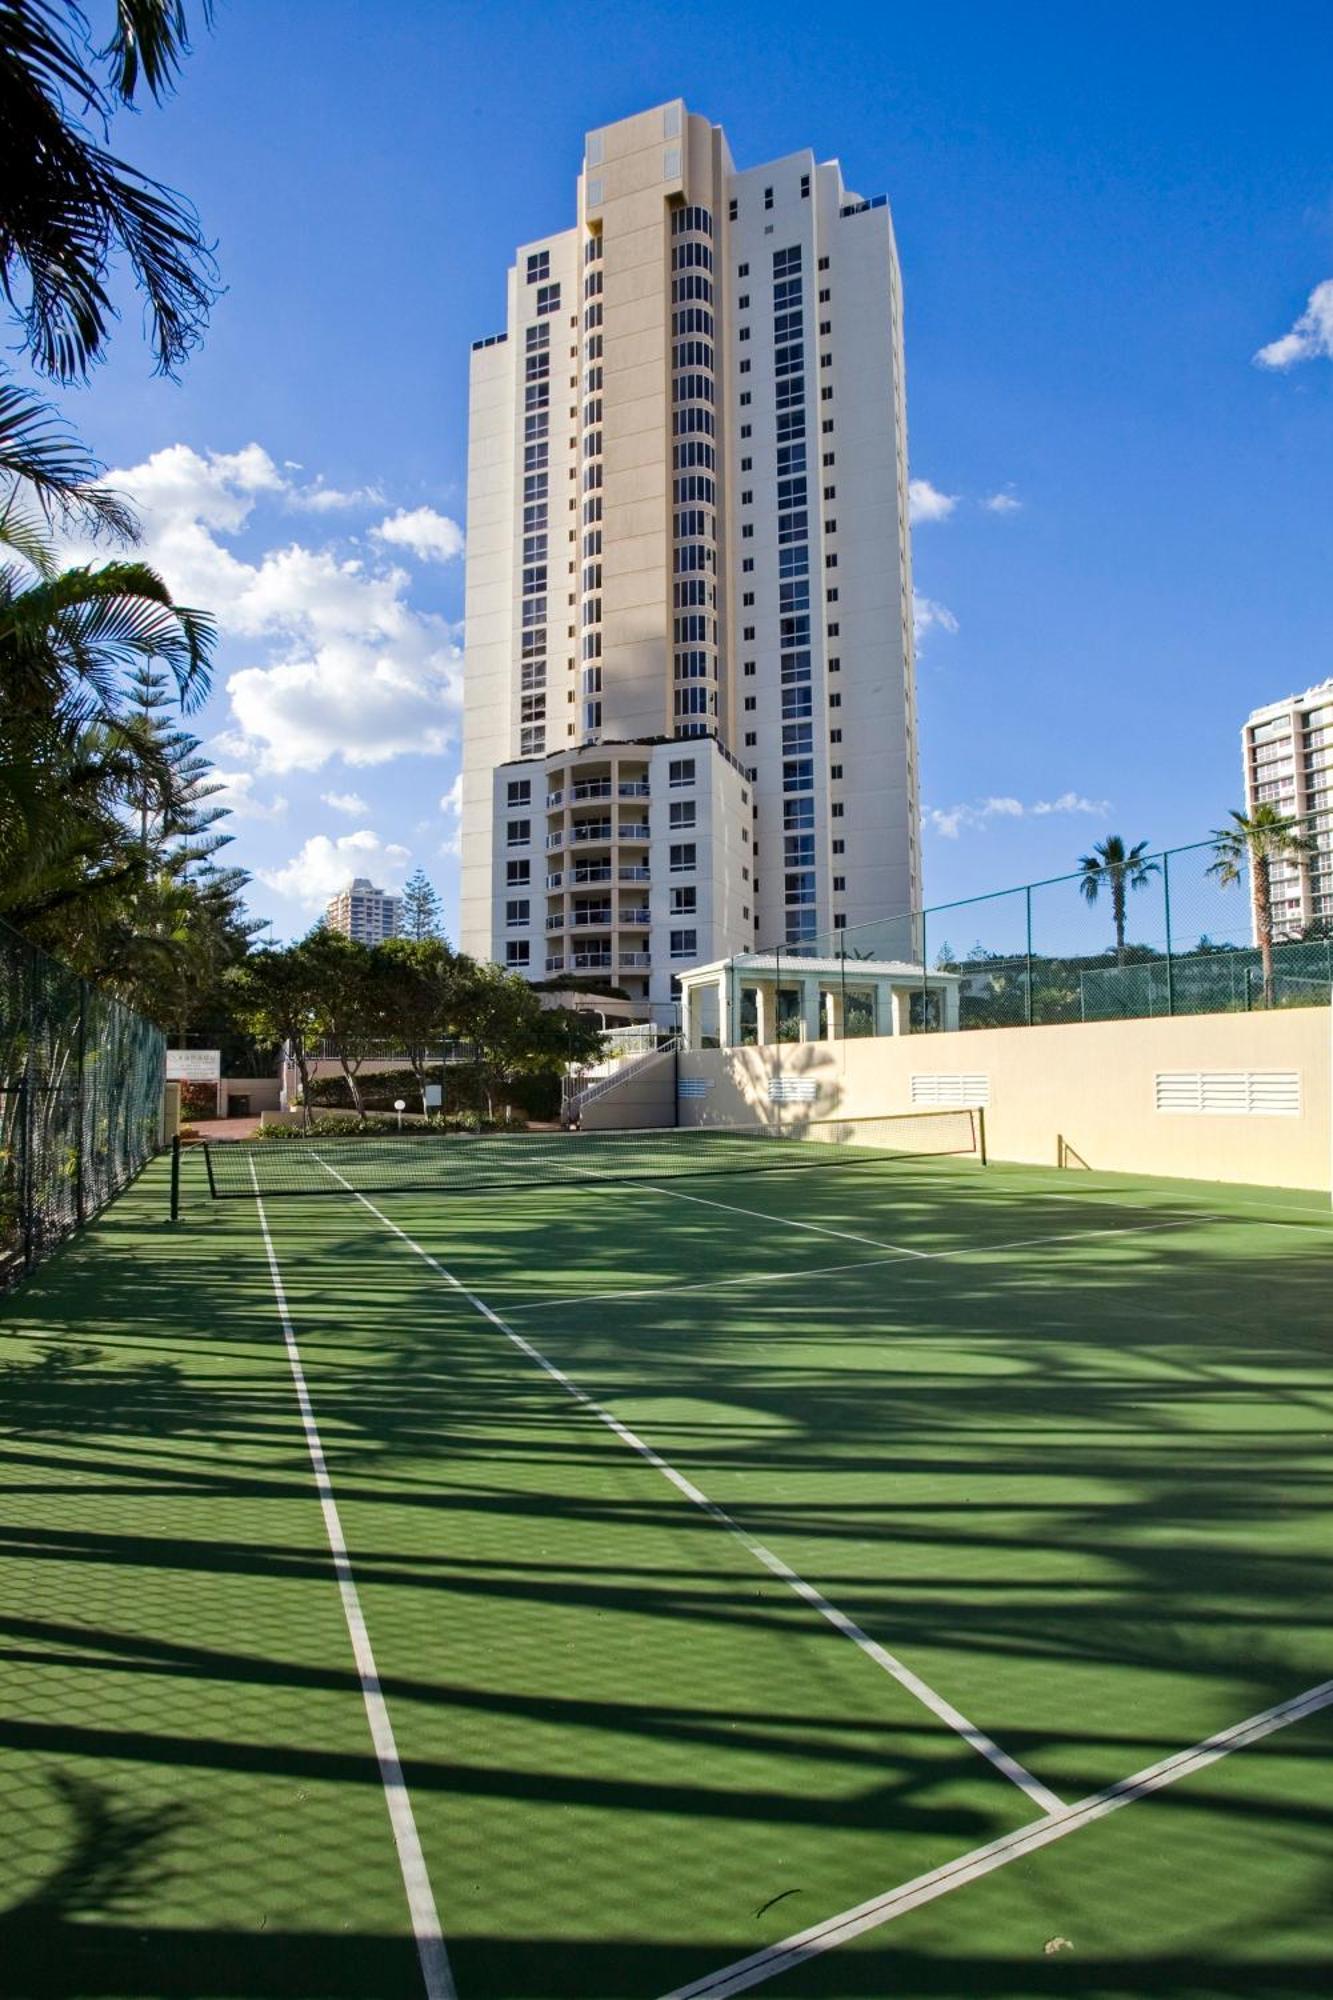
(421, 909)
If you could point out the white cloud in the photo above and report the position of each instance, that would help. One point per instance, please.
(238, 796)
(430, 536)
(926, 503)
(927, 615)
(347, 667)
(950, 821)
(1002, 503)
(350, 803)
(1311, 336)
(451, 805)
(322, 499)
(325, 866)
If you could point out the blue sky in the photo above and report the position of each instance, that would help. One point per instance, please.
(1103, 213)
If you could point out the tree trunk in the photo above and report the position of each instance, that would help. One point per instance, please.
(417, 1058)
(303, 1071)
(1263, 923)
(1118, 910)
(353, 1088)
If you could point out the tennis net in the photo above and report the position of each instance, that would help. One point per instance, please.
(508, 1162)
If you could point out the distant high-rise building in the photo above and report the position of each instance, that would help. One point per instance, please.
(689, 718)
(363, 912)
(1288, 754)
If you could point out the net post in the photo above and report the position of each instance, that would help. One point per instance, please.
(1027, 894)
(80, 1059)
(175, 1176)
(982, 1156)
(208, 1168)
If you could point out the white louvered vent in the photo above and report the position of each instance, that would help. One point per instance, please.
(1230, 1093)
(791, 1089)
(967, 1087)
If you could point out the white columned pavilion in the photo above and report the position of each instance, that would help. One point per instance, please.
(820, 989)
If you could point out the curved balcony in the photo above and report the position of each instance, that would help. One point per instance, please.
(633, 830)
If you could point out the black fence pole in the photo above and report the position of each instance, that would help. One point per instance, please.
(175, 1176)
(81, 1141)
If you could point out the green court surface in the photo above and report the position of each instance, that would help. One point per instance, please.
(722, 1557)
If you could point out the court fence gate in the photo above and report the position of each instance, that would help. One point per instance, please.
(81, 1091)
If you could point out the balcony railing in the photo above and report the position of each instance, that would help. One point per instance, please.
(633, 871)
(590, 788)
(599, 919)
(635, 917)
(554, 881)
(553, 799)
(556, 923)
(554, 840)
(556, 964)
(591, 871)
(636, 958)
(592, 830)
(634, 829)
(633, 788)
(589, 961)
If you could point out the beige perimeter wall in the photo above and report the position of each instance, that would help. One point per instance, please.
(1090, 1087)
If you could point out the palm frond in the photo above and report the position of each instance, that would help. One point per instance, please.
(151, 40)
(40, 454)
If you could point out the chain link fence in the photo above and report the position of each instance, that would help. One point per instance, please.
(81, 1079)
(1167, 935)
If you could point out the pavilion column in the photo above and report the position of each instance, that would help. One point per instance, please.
(689, 1015)
(834, 1028)
(765, 1013)
(897, 1002)
(724, 1030)
(809, 1008)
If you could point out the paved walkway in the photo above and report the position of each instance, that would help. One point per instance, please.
(225, 1128)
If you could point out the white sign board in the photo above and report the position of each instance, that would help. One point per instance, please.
(194, 1065)
(434, 1096)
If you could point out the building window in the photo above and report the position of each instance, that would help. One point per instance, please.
(745, 430)
(548, 299)
(733, 209)
(539, 266)
(805, 187)
(742, 270)
(518, 910)
(840, 846)
(751, 701)
(836, 810)
(768, 197)
(839, 884)
(519, 792)
(518, 952)
(835, 699)
(518, 832)
(684, 944)
(823, 263)
(684, 902)
(750, 739)
(681, 813)
(748, 669)
(839, 921)
(835, 736)
(683, 857)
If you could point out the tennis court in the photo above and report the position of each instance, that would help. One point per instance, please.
(903, 1577)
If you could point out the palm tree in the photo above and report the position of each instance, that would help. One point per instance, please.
(73, 751)
(67, 205)
(1111, 866)
(1255, 842)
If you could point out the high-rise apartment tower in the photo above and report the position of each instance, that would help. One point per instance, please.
(689, 720)
(363, 912)
(1288, 754)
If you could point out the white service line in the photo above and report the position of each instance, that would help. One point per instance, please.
(435, 1970)
(805, 1945)
(1040, 1794)
(860, 1264)
(766, 1215)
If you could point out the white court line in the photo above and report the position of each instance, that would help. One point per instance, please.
(860, 1264)
(1040, 1794)
(804, 1945)
(435, 1971)
(766, 1215)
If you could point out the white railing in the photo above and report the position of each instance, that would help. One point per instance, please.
(579, 1092)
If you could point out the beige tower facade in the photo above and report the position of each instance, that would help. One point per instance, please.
(687, 525)
(1287, 749)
